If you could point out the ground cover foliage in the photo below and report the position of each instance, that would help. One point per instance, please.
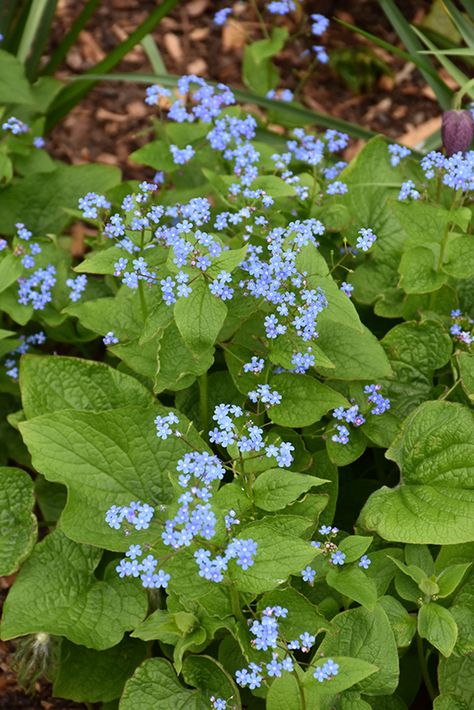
(238, 433)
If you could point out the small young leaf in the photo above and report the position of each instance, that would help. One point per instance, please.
(436, 625)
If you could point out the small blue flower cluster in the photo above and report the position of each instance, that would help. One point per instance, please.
(353, 415)
(36, 289)
(381, 404)
(77, 286)
(110, 338)
(11, 363)
(462, 329)
(137, 514)
(397, 152)
(91, 203)
(320, 24)
(266, 633)
(145, 568)
(15, 126)
(234, 427)
(181, 156)
(408, 190)
(284, 95)
(242, 551)
(265, 395)
(455, 171)
(327, 671)
(347, 288)
(302, 361)
(218, 703)
(366, 239)
(336, 557)
(163, 428)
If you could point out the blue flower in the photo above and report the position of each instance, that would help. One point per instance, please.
(338, 557)
(308, 574)
(365, 562)
(110, 338)
(397, 152)
(366, 239)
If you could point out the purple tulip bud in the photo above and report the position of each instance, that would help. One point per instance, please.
(457, 131)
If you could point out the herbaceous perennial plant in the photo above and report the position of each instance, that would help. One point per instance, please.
(193, 480)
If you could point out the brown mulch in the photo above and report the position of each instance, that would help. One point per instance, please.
(113, 120)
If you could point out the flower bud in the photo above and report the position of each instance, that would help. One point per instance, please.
(457, 131)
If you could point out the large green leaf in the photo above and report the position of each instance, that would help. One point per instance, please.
(434, 503)
(87, 675)
(210, 677)
(354, 350)
(366, 635)
(372, 184)
(177, 366)
(353, 583)
(259, 73)
(418, 271)
(403, 624)
(352, 671)
(304, 400)
(57, 592)
(17, 523)
(276, 488)
(155, 685)
(200, 317)
(415, 351)
(106, 458)
(279, 554)
(466, 370)
(40, 199)
(50, 384)
(455, 677)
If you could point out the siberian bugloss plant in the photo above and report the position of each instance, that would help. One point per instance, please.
(246, 420)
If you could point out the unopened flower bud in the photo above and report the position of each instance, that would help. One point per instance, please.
(457, 131)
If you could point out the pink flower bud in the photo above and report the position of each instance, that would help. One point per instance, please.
(457, 131)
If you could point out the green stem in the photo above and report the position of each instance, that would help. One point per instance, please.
(301, 690)
(424, 668)
(203, 403)
(260, 18)
(235, 602)
(448, 392)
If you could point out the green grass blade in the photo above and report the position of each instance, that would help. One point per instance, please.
(396, 51)
(7, 15)
(78, 25)
(465, 28)
(41, 38)
(413, 45)
(469, 7)
(73, 93)
(459, 52)
(301, 112)
(38, 11)
(451, 68)
(154, 55)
